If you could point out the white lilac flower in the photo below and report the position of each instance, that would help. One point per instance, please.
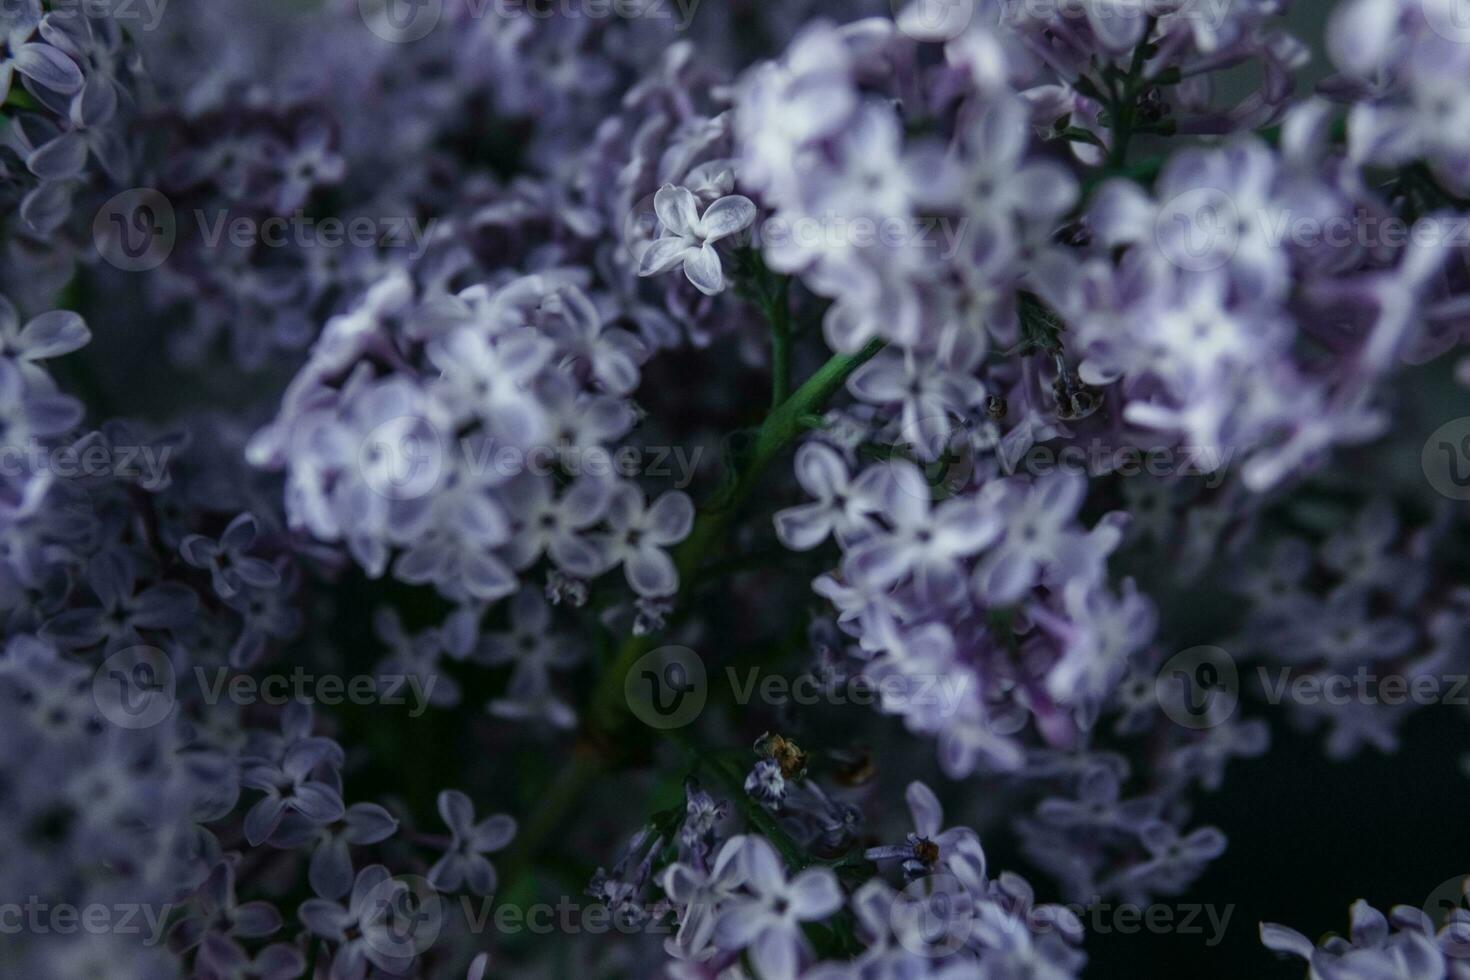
(489, 380)
(31, 56)
(698, 896)
(558, 526)
(765, 917)
(843, 507)
(464, 863)
(639, 536)
(923, 543)
(1037, 531)
(932, 391)
(688, 238)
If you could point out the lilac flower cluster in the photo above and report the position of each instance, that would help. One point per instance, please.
(1016, 330)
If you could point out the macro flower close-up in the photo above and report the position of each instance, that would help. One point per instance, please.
(723, 490)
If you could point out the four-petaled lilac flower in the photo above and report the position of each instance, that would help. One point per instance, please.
(293, 786)
(330, 871)
(367, 929)
(218, 915)
(230, 569)
(844, 505)
(533, 649)
(640, 534)
(925, 544)
(688, 238)
(557, 524)
(464, 863)
(221, 958)
(1036, 530)
(766, 917)
(120, 614)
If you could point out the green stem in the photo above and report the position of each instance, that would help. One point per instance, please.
(1125, 101)
(782, 426)
(779, 314)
